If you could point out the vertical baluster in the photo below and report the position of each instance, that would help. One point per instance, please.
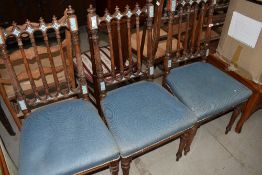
(63, 58)
(112, 56)
(180, 12)
(130, 59)
(93, 29)
(39, 64)
(200, 25)
(157, 26)
(209, 25)
(50, 57)
(118, 16)
(16, 85)
(185, 48)
(192, 47)
(73, 26)
(27, 67)
(68, 55)
(150, 16)
(28, 70)
(137, 13)
(167, 59)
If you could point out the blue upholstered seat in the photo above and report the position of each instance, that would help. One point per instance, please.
(65, 138)
(142, 114)
(206, 90)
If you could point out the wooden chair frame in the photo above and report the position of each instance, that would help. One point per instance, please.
(69, 21)
(94, 21)
(195, 52)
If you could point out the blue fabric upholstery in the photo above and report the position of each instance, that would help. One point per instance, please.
(64, 138)
(206, 90)
(141, 114)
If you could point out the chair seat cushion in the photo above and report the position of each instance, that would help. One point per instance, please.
(142, 114)
(64, 138)
(206, 90)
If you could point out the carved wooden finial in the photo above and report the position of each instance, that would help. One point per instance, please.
(14, 24)
(54, 18)
(70, 10)
(27, 22)
(117, 9)
(42, 20)
(91, 9)
(127, 7)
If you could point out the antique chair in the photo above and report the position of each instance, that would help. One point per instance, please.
(241, 61)
(141, 116)
(207, 91)
(65, 137)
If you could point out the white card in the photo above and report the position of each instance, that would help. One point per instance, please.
(102, 86)
(84, 89)
(244, 29)
(169, 63)
(151, 70)
(93, 22)
(22, 105)
(73, 24)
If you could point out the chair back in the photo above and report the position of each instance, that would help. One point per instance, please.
(131, 67)
(190, 21)
(36, 61)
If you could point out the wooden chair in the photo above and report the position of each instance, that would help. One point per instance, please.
(66, 137)
(142, 116)
(207, 91)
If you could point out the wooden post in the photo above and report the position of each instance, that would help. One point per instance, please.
(92, 22)
(150, 16)
(73, 26)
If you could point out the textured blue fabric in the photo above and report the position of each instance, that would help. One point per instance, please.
(64, 138)
(141, 114)
(206, 90)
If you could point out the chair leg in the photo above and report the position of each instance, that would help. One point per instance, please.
(235, 114)
(125, 165)
(254, 102)
(114, 167)
(182, 145)
(192, 133)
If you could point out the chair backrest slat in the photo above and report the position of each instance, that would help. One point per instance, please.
(180, 17)
(110, 40)
(118, 16)
(193, 33)
(28, 70)
(65, 68)
(138, 38)
(200, 24)
(50, 57)
(40, 66)
(185, 44)
(130, 55)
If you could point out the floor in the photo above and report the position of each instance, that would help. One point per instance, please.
(212, 152)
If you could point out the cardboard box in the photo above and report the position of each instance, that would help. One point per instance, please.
(244, 60)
